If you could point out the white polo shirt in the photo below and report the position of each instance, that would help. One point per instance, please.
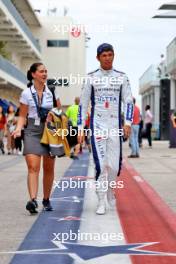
(27, 99)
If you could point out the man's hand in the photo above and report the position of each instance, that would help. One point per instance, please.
(126, 131)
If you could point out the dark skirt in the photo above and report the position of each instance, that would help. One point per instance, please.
(32, 137)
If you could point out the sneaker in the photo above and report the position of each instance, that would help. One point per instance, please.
(35, 201)
(132, 156)
(31, 206)
(101, 209)
(111, 197)
(75, 158)
(47, 205)
(72, 156)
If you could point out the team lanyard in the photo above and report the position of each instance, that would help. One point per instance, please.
(37, 103)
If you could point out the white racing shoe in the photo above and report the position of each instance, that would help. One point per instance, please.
(101, 208)
(111, 198)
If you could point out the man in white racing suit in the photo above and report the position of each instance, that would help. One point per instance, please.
(107, 89)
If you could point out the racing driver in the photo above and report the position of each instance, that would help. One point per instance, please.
(107, 89)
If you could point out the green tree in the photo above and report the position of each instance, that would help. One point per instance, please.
(3, 51)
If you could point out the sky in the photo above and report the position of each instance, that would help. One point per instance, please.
(138, 39)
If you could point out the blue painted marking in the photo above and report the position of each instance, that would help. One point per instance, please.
(87, 252)
(41, 234)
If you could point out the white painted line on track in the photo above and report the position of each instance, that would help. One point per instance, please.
(138, 178)
(108, 223)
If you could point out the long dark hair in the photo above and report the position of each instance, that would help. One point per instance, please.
(32, 69)
(8, 109)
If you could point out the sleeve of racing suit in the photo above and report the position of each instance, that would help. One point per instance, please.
(84, 102)
(127, 99)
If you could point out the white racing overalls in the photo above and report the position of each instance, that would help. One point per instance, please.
(107, 90)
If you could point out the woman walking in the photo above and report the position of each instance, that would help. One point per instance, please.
(148, 124)
(35, 103)
(18, 140)
(2, 129)
(10, 129)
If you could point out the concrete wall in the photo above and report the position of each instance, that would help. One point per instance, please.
(152, 97)
(62, 61)
(173, 93)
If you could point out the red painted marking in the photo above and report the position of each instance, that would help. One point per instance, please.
(145, 217)
(78, 177)
(70, 218)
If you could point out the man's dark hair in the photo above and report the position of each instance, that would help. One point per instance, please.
(104, 47)
(147, 107)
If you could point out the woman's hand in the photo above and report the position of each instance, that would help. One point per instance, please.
(49, 118)
(16, 133)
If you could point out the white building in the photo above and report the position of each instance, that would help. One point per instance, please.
(16, 19)
(171, 67)
(63, 53)
(149, 89)
(30, 39)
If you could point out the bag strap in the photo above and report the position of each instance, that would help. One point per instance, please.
(35, 101)
(54, 96)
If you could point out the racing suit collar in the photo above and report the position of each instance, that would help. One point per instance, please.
(105, 71)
